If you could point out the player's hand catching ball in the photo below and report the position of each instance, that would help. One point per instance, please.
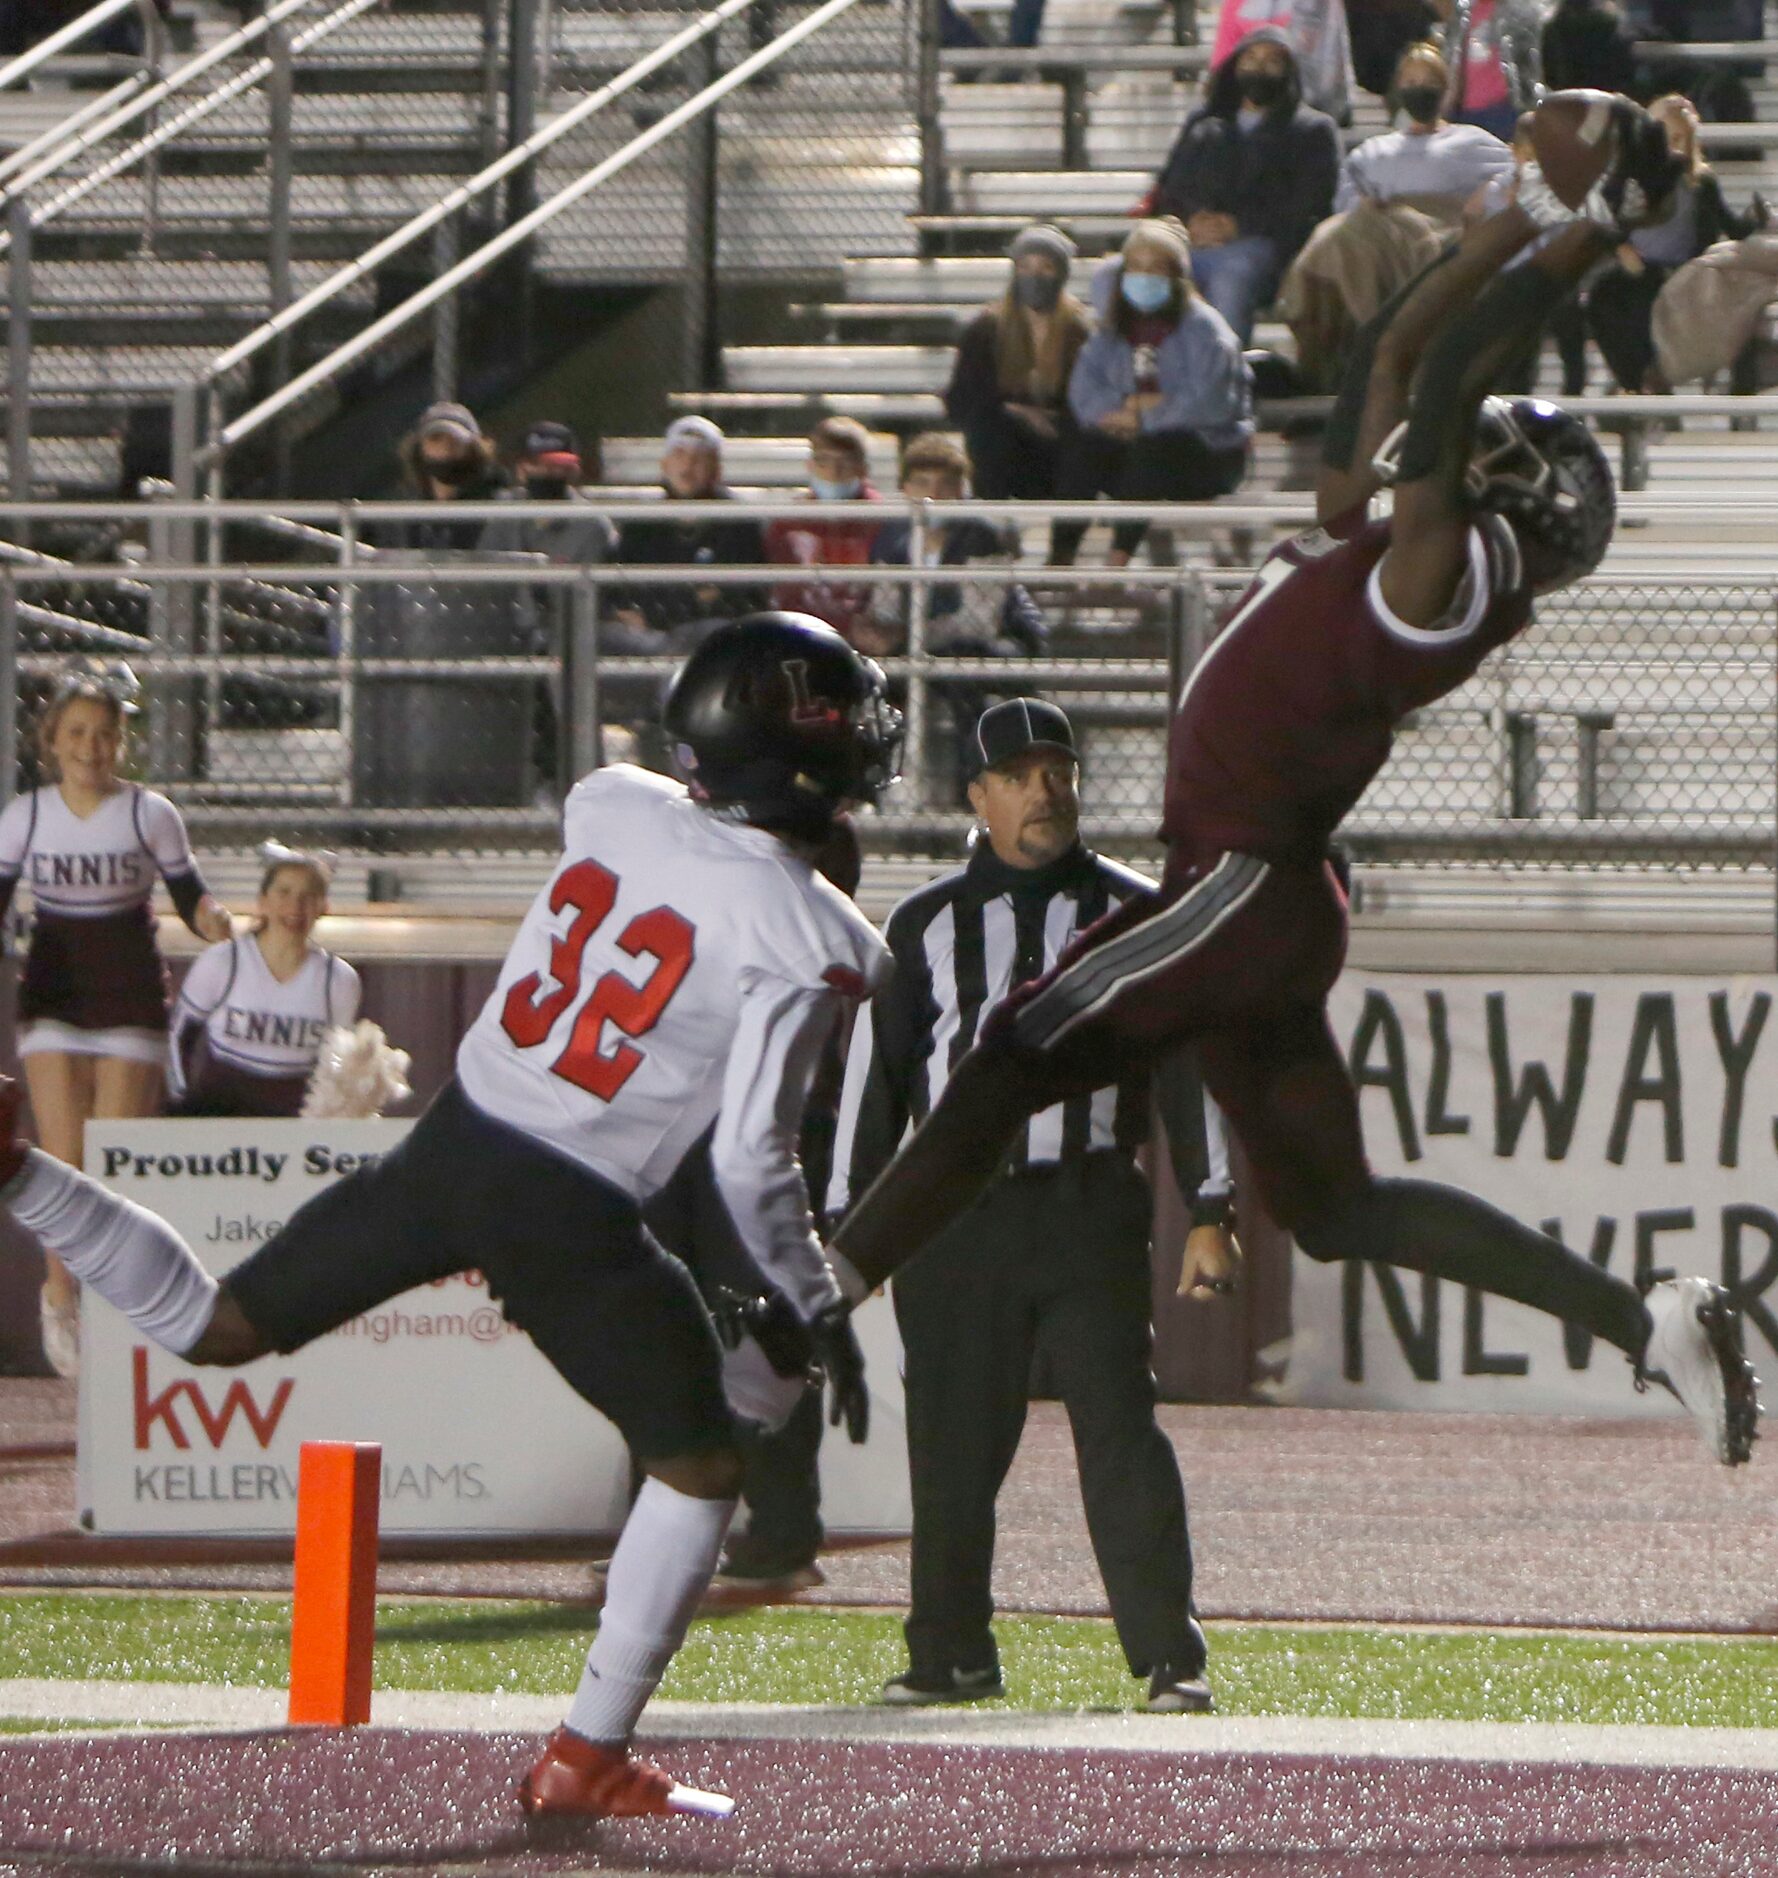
(842, 1362)
(1211, 1267)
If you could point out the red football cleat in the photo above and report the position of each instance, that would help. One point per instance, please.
(578, 1778)
(12, 1150)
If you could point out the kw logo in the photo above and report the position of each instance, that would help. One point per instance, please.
(215, 1423)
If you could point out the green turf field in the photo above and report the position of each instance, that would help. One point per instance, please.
(815, 1655)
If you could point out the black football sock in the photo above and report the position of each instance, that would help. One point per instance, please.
(1451, 1234)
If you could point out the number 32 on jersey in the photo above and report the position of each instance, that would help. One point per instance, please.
(634, 1009)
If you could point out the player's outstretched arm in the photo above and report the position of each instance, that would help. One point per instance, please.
(1388, 349)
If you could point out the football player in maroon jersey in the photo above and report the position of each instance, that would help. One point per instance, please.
(1277, 734)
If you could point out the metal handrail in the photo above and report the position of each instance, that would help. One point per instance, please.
(514, 236)
(182, 120)
(154, 33)
(175, 81)
(467, 192)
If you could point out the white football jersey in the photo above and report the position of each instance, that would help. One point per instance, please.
(676, 968)
(104, 863)
(258, 1023)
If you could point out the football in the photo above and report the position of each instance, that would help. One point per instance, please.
(1573, 134)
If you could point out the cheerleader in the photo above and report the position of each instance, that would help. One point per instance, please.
(253, 1010)
(92, 1003)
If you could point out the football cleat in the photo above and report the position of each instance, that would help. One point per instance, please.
(1694, 1350)
(578, 1779)
(922, 1689)
(60, 1326)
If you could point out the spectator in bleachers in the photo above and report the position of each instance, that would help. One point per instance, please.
(680, 614)
(1009, 388)
(1588, 43)
(839, 460)
(1431, 163)
(448, 458)
(1161, 392)
(1495, 52)
(1253, 170)
(966, 618)
(1620, 303)
(548, 469)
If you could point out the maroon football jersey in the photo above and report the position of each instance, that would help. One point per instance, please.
(1292, 711)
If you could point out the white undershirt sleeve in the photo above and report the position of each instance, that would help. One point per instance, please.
(163, 834)
(204, 987)
(777, 1048)
(345, 995)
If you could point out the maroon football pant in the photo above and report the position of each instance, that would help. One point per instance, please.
(1235, 957)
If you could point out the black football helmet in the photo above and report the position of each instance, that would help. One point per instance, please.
(1540, 468)
(776, 720)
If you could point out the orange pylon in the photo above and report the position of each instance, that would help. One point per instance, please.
(334, 1612)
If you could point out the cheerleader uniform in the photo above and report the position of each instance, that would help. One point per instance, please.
(94, 982)
(244, 1042)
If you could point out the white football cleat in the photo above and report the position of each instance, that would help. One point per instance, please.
(60, 1323)
(1694, 1349)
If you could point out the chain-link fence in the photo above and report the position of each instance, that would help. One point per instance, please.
(317, 674)
(1634, 719)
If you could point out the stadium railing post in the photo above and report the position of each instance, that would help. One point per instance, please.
(18, 352)
(334, 1604)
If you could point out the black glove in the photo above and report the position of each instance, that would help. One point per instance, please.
(1644, 173)
(842, 1362)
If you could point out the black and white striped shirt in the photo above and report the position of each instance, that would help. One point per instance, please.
(959, 946)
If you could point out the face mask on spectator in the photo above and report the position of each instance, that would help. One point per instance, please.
(1262, 90)
(452, 471)
(1147, 293)
(547, 488)
(1039, 292)
(826, 489)
(1421, 102)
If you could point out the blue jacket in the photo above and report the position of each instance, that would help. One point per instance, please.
(1205, 386)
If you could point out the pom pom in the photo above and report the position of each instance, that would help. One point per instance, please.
(357, 1074)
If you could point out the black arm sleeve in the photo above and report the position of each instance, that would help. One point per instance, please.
(1340, 439)
(1465, 359)
(187, 891)
(1179, 1101)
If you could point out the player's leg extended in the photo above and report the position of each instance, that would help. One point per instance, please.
(965, 1137)
(1289, 1096)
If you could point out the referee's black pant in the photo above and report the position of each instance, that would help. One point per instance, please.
(1052, 1260)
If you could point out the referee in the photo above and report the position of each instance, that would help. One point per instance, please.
(1052, 1260)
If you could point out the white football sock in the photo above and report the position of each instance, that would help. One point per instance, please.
(133, 1259)
(665, 1558)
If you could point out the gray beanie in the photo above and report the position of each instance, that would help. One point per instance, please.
(1042, 238)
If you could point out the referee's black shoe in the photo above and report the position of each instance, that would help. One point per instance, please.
(1173, 1692)
(922, 1689)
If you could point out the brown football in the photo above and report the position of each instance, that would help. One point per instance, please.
(1572, 135)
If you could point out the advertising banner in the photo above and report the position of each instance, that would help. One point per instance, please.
(1635, 1119)
(480, 1435)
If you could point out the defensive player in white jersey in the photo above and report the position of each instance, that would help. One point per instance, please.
(250, 1016)
(683, 966)
(92, 1003)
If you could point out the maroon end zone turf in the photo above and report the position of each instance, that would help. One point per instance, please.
(383, 1800)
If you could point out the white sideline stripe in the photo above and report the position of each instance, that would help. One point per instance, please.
(198, 1705)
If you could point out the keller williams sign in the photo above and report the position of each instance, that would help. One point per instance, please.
(453, 1392)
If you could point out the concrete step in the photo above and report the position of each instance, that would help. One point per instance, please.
(823, 369)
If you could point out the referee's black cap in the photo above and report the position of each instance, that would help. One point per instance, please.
(1009, 729)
